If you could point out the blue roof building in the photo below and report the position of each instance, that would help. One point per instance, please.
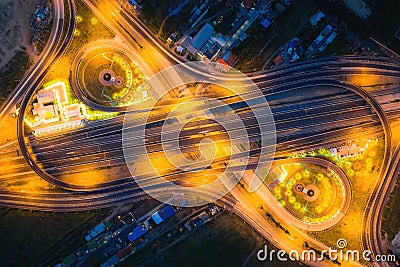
(316, 18)
(163, 214)
(137, 232)
(100, 228)
(133, 2)
(265, 22)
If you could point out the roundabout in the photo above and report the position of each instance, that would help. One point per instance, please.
(315, 192)
(311, 193)
(106, 75)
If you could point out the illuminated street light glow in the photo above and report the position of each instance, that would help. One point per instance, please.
(189, 108)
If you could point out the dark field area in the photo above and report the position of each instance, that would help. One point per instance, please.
(382, 24)
(226, 241)
(391, 215)
(40, 238)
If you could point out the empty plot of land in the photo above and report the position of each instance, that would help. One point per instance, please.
(14, 27)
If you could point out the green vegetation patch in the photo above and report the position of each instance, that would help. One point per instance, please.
(324, 188)
(362, 171)
(116, 65)
(88, 28)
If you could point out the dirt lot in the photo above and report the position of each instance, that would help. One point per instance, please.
(14, 28)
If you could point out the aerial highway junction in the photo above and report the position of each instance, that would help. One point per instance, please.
(326, 71)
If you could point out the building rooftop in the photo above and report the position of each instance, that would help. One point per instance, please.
(265, 22)
(45, 96)
(69, 260)
(347, 150)
(52, 111)
(228, 58)
(316, 18)
(202, 36)
(247, 3)
(137, 232)
(72, 111)
(163, 214)
(124, 252)
(278, 60)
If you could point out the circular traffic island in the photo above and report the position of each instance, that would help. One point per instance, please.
(105, 75)
(312, 194)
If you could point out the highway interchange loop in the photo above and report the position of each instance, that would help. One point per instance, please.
(124, 191)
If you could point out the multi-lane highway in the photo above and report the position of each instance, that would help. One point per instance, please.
(308, 124)
(294, 121)
(282, 85)
(323, 105)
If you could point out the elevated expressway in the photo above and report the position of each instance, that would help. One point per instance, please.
(125, 190)
(294, 129)
(122, 192)
(266, 88)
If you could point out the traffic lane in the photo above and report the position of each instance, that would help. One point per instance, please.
(299, 127)
(118, 153)
(100, 131)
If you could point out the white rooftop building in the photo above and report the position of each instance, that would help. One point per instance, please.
(346, 151)
(52, 110)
